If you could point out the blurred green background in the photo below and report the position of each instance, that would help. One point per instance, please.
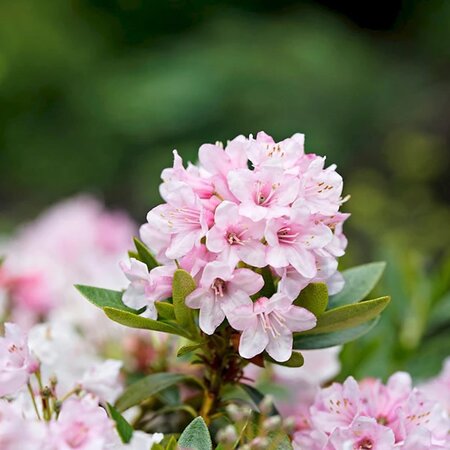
(96, 94)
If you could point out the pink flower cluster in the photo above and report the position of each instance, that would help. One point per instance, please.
(82, 422)
(75, 241)
(255, 203)
(375, 416)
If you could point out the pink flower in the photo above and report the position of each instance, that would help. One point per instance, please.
(268, 324)
(176, 227)
(218, 162)
(363, 434)
(264, 193)
(320, 189)
(219, 285)
(336, 406)
(265, 152)
(236, 238)
(291, 241)
(103, 380)
(82, 425)
(18, 433)
(438, 389)
(16, 362)
(202, 186)
(147, 287)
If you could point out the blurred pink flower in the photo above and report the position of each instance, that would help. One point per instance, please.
(16, 362)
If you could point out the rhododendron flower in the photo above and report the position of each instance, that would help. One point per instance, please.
(265, 152)
(254, 203)
(373, 415)
(18, 433)
(268, 324)
(183, 220)
(290, 241)
(264, 193)
(219, 286)
(438, 388)
(102, 380)
(236, 238)
(145, 288)
(363, 434)
(16, 361)
(82, 425)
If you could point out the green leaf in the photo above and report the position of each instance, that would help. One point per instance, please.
(314, 298)
(296, 360)
(196, 436)
(147, 387)
(134, 321)
(349, 316)
(256, 398)
(133, 254)
(144, 254)
(325, 340)
(165, 310)
(103, 298)
(124, 429)
(359, 282)
(172, 444)
(183, 284)
(189, 348)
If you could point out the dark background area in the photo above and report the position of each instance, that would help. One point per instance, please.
(94, 95)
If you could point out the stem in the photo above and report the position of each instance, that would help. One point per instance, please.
(222, 366)
(30, 390)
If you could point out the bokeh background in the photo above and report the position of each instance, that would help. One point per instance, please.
(95, 94)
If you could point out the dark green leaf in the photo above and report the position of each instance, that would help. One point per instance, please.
(359, 282)
(103, 298)
(165, 310)
(144, 254)
(325, 340)
(147, 387)
(134, 321)
(183, 284)
(196, 436)
(124, 429)
(314, 298)
(349, 316)
(296, 360)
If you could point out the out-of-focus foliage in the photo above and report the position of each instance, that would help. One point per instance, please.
(95, 94)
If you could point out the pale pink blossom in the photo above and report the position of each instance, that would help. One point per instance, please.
(18, 433)
(363, 434)
(219, 286)
(172, 177)
(263, 151)
(320, 188)
(291, 241)
(264, 193)
(438, 388)
(82, 425)
(268, 324)
(177, 226)
(103, 380)
(16, 361)
(147, 287)
(218, 162)
(236, 238)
